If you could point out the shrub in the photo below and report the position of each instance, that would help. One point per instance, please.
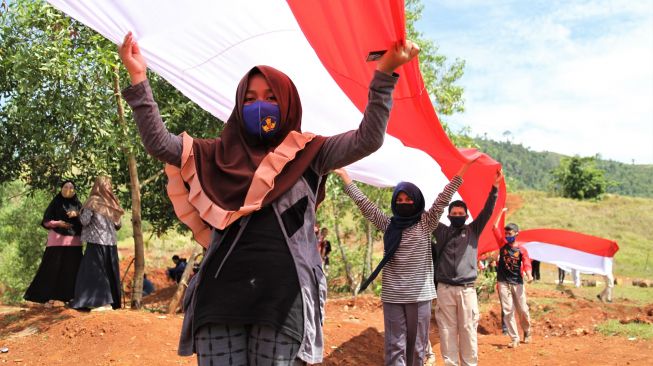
(22, 239)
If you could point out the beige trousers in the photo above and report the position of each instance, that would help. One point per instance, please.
(513, 299)
(456, 313)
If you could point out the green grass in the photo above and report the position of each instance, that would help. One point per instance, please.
(638, 296)
(613, 327)
(626, 220)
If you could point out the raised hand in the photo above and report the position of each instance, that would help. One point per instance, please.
(133, 59)
(498, 178)
(465, 167)
(503, 212)
(343, 175)
(399, 54)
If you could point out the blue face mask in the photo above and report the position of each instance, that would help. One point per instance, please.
(261, 119)
(510, 239)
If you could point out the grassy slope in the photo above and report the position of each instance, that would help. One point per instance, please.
(627, 220)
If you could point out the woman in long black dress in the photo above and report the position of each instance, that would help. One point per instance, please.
(55, 278)
(98, 279)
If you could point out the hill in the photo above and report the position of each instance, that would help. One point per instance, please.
(527, 169)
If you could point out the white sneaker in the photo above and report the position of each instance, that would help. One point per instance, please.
(102, 308)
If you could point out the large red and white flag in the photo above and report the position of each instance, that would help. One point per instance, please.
(569, 249)
(204, 47)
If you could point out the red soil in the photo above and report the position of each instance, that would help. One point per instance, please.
(564, 333)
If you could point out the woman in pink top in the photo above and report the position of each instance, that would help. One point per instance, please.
(55, 278)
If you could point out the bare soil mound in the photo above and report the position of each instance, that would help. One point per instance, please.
(564, 333)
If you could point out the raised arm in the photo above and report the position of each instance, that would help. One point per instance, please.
(371, 211)
(348, 147)
(432, 216)
(498, 233)
(484, 216)
(158, 142)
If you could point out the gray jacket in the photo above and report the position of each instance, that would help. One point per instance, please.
(337, 151)
(457, 248)
(98, 229)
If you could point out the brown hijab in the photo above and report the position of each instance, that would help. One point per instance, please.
(226, 165)
(103, 201)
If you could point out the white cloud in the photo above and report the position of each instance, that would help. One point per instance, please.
(575, 78)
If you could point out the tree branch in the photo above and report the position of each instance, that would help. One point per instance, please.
(150, 179)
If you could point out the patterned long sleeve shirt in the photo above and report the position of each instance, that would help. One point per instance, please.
(98, 229)
(408, 276)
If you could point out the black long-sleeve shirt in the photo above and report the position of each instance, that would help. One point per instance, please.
(457, 248)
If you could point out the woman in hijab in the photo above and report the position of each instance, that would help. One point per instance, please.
(98, 280)
(407, 281)
(55, 278)
(250, 197)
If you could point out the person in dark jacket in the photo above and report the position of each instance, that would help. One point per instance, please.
(148, 286)
(456, 311)
(175, 273)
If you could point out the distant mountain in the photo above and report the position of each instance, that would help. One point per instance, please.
(527, 169)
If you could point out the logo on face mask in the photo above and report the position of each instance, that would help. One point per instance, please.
(269, 124)
(261, 119)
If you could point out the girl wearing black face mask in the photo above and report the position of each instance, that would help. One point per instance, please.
(408, 286)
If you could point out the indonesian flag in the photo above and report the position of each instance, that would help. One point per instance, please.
(204, 47)
(569, 249)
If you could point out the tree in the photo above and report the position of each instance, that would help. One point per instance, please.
(579, 178)
(61, 115)
(19, 247)
(508, 135)
(527, 169)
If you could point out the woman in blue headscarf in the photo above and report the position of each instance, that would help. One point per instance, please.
(407, 281)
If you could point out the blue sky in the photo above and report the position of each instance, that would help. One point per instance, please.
(574, 77)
